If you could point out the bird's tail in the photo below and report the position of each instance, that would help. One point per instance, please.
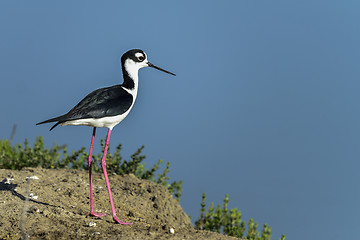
(56, 119)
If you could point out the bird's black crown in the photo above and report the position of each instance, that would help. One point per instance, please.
(137, 55)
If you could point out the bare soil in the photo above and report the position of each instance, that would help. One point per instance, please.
(56, 206)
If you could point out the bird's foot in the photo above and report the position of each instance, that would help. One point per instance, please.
(121, 222)
(97, 214)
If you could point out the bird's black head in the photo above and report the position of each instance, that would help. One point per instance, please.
(136, 55)
(135, 59)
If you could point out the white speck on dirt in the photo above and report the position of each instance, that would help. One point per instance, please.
(92, 224)
(33, 177)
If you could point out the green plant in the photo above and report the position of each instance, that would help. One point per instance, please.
(18, 157)
(222, 220)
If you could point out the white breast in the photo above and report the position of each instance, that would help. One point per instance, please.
(108, 122)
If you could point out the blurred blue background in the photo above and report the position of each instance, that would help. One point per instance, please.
(264, 106)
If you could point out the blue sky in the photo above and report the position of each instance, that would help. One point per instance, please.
(264, 106)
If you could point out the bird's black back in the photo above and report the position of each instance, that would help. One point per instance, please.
(103, 102)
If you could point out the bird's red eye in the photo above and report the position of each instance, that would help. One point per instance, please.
(141, 58)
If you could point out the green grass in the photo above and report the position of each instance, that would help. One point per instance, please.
(229, 222)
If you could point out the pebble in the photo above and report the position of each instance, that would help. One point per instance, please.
(33, 177)
(32, 196)
(92, 224)
(172, 231)
(7, 180)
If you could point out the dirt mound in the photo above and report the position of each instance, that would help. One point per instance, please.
(54, 204)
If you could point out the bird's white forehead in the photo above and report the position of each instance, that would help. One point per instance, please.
(140, 55)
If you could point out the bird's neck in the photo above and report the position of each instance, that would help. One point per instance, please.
(130, 82)
(131, 76)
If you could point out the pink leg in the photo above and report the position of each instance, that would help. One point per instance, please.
(103, 165)
(90, 177)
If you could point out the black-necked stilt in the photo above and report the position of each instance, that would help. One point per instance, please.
(106, 107)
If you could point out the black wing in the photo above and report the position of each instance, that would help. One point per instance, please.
(103, 102)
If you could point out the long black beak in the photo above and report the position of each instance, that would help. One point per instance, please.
(156, 67)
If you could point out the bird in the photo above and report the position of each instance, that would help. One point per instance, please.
(107, 107)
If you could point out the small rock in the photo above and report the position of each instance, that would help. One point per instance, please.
(32, 196)
(33, 177)
(7, 180)
(172, 231)
(92, 224)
